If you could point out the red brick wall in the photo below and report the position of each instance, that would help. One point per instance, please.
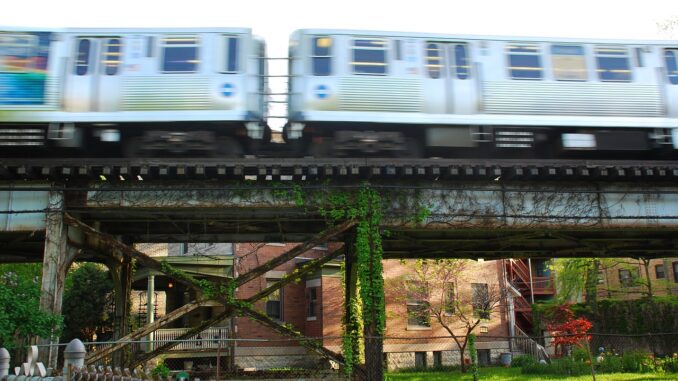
(396, 309)
(251, 255)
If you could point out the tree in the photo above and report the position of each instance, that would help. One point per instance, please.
(433, 289)
(87, 298)
(20, 315)
(567, 331)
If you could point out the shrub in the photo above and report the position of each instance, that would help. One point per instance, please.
(636, 361)
(669, 364)
(522, 360)
(161, 370)
(580, 354)
(611, 364)
(564, 366)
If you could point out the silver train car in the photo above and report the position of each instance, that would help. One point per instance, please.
(408, 94)
(140, 91)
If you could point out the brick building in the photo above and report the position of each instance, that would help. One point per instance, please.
(315, 307)
(627, 278)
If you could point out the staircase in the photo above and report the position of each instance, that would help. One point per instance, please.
(518, 276)
(524, 343)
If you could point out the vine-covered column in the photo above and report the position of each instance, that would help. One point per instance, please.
(370, 276)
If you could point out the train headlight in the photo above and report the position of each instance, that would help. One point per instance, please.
(322, 91)
(228, 90)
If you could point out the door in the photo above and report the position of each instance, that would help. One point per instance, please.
(671, 70)
(460, 87)
(93, 80)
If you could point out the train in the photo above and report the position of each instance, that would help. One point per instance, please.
(132, 92)
(151, 92)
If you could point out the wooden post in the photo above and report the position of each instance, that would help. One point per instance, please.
(55, 263)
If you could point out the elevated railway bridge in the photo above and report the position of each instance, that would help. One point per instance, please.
(60, 210)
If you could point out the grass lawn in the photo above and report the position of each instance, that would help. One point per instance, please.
(513, 374)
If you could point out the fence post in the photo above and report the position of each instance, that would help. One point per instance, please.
(4, 362)
(74, 357)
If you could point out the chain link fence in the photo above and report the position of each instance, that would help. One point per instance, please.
(213, 357)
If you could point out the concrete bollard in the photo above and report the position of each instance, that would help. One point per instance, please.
(4, 362)
(74, 357)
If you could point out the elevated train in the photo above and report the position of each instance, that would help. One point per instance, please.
(351, 93)
(132, 91)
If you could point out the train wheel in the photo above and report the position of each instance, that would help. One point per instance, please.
(228, 147)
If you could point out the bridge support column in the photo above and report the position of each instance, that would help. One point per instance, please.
(57, 258)
(122, 284)
(150, 308)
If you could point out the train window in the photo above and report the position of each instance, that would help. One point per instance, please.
(434, 59)
(569, 63)
(525, 61)
(671, 57)
(112, 56)
(461, 64)
(231, 51)
(180, 54)
(369, 56)
(322, 56)
(613, 64)
(82, 59)
(17, 52)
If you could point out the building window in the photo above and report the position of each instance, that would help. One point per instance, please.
(369, 56)
(321, 57)
(274, 301)
(434, 60)
(671, 59)
(461, 64)
(438, 359)
(483, 357)
(449, 298)
(659, 271)
(481, 300)
(417, 305)
(420, 359)
(525, 61)
(601, 277)
(180, 54)
(231, 54)
(627, 278)
(569, 63)
(613, 64)
(312, 294)
(675, 272)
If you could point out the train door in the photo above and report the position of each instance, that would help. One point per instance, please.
(93, 80)
(671, 69)
(460, 89)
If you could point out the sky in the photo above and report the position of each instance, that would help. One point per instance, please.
(276, 19)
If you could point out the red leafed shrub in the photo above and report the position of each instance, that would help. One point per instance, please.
(566, 330)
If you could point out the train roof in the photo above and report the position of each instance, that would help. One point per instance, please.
(235, 30)
(434, 36)
(160, 30)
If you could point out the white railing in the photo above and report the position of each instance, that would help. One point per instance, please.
(211, 338)
(527, 345)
